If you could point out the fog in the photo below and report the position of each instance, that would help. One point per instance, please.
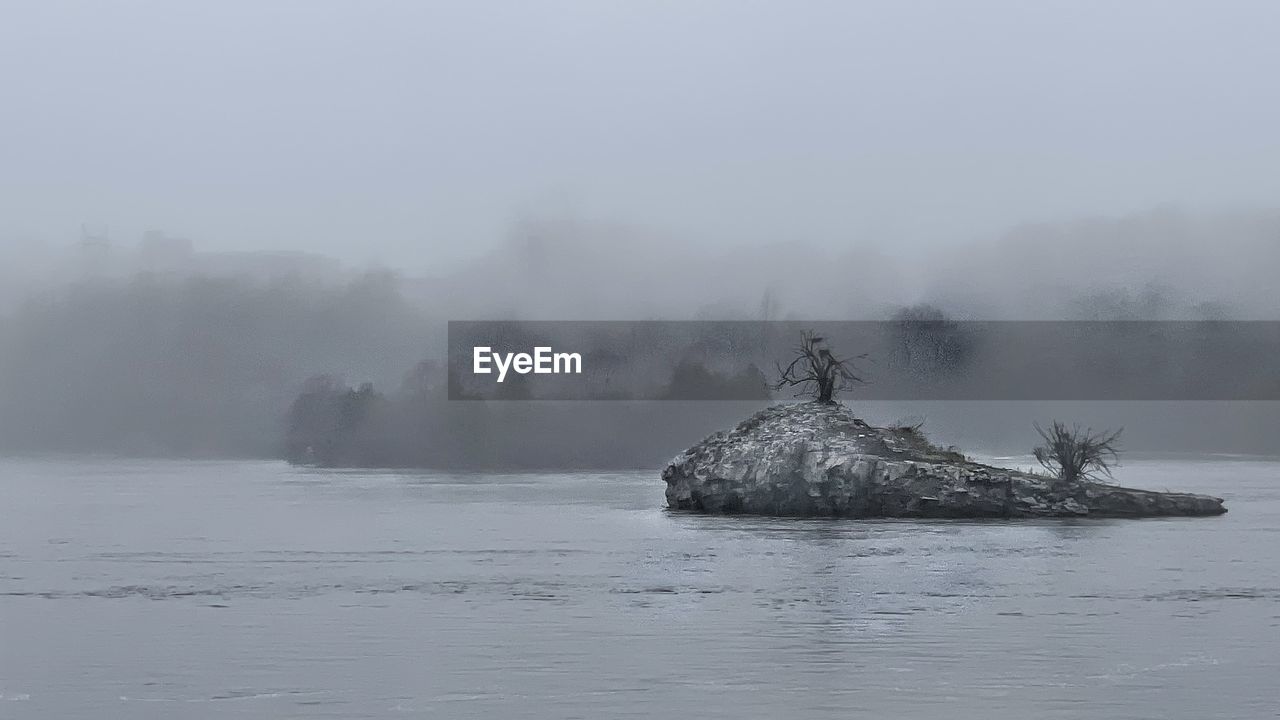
(415, 134)
(161, 348)
(201, 207)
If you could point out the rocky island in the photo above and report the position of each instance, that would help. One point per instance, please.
(816, 459)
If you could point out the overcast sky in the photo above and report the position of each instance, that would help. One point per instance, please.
(416, 133)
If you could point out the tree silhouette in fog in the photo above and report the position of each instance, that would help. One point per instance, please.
(817, 372)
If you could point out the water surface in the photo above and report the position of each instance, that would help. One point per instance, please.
(255, 590)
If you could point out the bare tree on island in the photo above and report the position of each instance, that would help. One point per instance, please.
(817, 371)
(1073, 455)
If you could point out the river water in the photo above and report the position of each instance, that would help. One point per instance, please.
(255, 590)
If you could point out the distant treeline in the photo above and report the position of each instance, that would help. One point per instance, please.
(201, 358)
(336, 425)
(233, 367)
(190, 366)
(204, 367)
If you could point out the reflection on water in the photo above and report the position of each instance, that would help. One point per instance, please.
(164, 589)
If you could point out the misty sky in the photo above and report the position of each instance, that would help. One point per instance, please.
(417, 133)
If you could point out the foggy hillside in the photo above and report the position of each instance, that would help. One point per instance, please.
(161, 348)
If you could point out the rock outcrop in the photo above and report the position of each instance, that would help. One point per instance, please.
(816, 460)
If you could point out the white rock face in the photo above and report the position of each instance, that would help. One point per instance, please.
(816, 460)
